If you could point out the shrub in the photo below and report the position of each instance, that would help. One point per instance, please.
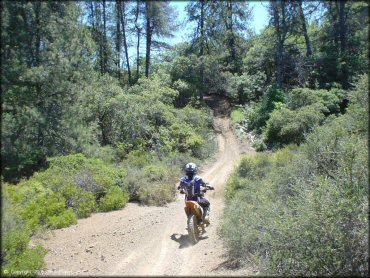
(48, 210)
(237, 116)
(300, 97)
(245, 88)
(254, 167)
(65, 219)
(258, 116)
(17, 258)
(26, 263)
(157, 194)
(286, 126)
(259, 145)
(114, 199)
(307, 215)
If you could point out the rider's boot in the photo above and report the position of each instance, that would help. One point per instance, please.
(206, 215)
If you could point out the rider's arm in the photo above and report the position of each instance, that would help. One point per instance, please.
(205, 184)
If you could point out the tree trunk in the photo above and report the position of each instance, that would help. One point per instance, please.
(343, 44)
(38, 33)
(40, 99)
(123, 23)
(104, 38)
(202, 37)
(148, 7)
(279, 42)
(231, 38)
(118, 42)
(304, 29)
(342, 26)
(98, 35)
(138, 33)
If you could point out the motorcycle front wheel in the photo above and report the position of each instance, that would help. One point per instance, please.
(193, 229)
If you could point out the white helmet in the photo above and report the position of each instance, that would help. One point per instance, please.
(191, 168)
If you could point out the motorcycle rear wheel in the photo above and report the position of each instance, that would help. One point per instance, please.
(193, 229)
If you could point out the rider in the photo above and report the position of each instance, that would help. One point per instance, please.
(197, 193)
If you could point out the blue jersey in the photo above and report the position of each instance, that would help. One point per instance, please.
(197, 183)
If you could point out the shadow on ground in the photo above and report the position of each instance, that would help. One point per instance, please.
(184, 240)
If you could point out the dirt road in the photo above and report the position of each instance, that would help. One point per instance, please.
(144, 241)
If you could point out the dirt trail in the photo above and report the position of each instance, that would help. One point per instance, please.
(144, 241)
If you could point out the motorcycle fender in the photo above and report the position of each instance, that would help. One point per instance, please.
(195, 208)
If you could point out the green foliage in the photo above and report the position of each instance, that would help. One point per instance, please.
(157, 194)
(114, 199)
(48, 210)
(258, 116)
(64, 219)
(17, 258)
(303, 210)
(300, 97)
(246, 88)
(287, 126)
(153, 182)
(236, 116)
(26, 263)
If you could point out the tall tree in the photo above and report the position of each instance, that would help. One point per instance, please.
(118, 38)
(121, 7)
(39, 72)
(198, 12)
(159, 23)
(138, 11)
(277, 8)
(232, 20)
(97, 14)
(304, 28)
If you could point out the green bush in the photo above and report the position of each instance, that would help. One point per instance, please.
(114, 199)
(157, 194)
(82, 202)
(26, 263)
(307, 215)
(246, 88)
(237, 116)
(260, 113)
(17, 258)
(259, 145)
(254, 166)
(48, 210)
(301, 97)
(286, 126)
(64, 219)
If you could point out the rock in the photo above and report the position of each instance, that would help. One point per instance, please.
(205, 254)
(85, 270)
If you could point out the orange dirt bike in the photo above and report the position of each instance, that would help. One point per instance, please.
(196, 219)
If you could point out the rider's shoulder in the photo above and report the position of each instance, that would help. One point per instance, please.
(197, 178)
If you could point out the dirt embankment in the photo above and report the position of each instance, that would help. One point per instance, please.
(140, 240)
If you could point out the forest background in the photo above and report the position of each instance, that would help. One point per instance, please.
(86, 127)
